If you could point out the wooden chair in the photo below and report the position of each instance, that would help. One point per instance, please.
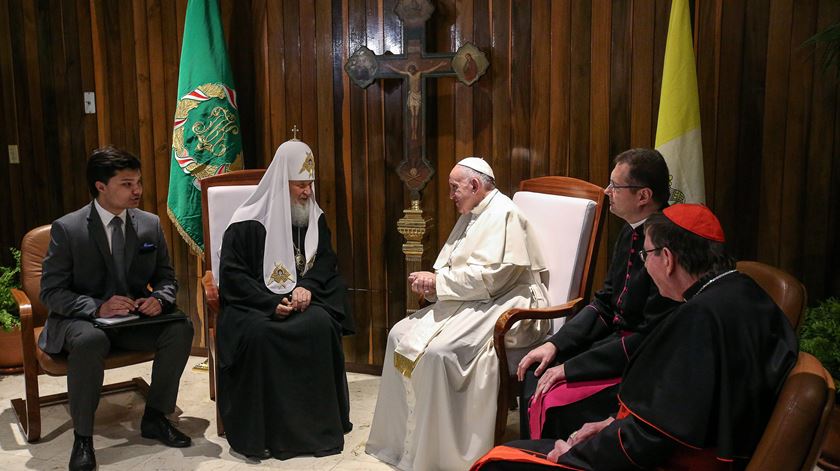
(794, 434)
(220, 196)
(797, 426)
(829, 459)
(788, 293)
(568, 215)
(36, 362)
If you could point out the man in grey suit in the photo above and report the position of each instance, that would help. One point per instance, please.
(104, 260)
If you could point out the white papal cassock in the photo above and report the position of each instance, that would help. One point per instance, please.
(437, 401)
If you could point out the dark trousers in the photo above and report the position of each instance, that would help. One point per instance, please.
(87, 346)
(560, 422)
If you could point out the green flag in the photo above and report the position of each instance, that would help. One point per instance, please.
(205, 136)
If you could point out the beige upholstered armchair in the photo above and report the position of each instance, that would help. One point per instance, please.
(568, 215)
(36, 362)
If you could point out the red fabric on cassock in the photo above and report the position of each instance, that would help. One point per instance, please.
(506, 453)
(562, 394)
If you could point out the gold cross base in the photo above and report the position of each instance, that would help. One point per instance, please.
(413, 227)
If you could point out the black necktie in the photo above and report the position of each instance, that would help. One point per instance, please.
(118, 252)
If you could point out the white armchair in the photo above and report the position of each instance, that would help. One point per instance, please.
(220, 196)
(568, 215)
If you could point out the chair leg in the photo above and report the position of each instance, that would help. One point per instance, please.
(28, 411)
(211, 361)
(220, 427)
(211, 364)
(502, 404)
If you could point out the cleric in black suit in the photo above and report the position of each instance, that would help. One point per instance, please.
(81, 281)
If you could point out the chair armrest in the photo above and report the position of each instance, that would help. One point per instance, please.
(27, 331)
(23, 303)
(506, 320)
(27, 323)
(511, 316)
(211, 297)
(503, 325)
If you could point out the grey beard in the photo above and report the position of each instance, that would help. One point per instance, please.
(300, 214)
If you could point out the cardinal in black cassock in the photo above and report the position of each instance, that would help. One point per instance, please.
(700, 390)
(282, 387)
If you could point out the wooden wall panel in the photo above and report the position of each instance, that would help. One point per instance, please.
(540, 96)
(464, 96)
(642, 43)
(775, 111)
(44, 61)
(819, 216)
(800, 87)
(10, 175)
(482, 91)
(721, 131)
(570, 84)
(394, 196)
(559, 97)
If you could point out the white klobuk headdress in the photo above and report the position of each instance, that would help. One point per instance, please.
(270, 206)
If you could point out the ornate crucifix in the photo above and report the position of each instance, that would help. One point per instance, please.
(413, 67)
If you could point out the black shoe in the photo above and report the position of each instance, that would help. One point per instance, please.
(82, 457)
(157, 426)
(263, 455)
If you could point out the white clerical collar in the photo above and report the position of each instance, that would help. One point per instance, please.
(634, 225)
(480, 207)
(105, 215)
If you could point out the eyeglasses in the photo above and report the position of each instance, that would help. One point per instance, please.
(643, 254)
(613, 186)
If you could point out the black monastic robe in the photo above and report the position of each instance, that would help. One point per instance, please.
(282, 386)
(700, 390)
(597, 342)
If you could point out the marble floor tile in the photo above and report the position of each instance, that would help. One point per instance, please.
(119, 445)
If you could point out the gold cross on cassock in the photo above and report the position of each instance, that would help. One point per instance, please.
(280, 274)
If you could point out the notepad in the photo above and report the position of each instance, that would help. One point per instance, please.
(134, 319)
(104, 321)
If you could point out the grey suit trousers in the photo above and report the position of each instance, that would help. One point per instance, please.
(86, 347)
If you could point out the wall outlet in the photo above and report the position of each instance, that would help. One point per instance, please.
(14, 157)
(90, 103)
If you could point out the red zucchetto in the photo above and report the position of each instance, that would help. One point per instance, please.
(697, 219)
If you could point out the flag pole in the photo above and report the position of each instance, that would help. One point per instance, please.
(678, 136)
(204, 365)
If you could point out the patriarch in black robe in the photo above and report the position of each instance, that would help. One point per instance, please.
(282, 384)
(700, 390)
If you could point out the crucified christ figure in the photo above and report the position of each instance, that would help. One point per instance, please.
(415, 96)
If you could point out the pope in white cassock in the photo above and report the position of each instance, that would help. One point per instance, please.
(437, 400)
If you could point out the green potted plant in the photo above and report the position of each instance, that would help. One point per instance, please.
(820, 336)
(11, 357)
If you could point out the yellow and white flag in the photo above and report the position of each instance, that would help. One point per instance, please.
(678, 126)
